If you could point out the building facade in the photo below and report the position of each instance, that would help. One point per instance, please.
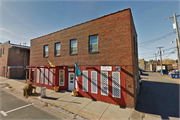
(142, 64)
(13, 60)
(105, 50)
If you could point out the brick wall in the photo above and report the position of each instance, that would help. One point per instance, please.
(13, 58)
(114, 43)
(21, 55)
(4, 58)
(135, 62)
(18, 57)
(115, 46)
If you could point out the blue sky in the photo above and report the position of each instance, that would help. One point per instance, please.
(21, 21)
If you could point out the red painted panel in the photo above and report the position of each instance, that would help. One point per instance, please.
(98, 96)
(47, 85)
(55, 77)
(109, 98)
(44, 85)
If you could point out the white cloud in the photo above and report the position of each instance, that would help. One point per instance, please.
(14, 34)
(13, 14)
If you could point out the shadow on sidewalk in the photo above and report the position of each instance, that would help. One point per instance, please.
(159, 98)
(36, 94)
(53, 98)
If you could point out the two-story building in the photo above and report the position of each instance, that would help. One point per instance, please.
(13, 60)
(105, 50)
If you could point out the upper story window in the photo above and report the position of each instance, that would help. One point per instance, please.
(93, 43)
(73, 45)
(3, 51)
(46, 51)
(57, 49)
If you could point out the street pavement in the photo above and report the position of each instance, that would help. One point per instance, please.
(159, 96)
(9, 102)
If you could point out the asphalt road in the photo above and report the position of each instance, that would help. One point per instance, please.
(9, 102)
(159, 96)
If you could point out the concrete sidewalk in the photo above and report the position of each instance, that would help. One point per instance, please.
(82, 106)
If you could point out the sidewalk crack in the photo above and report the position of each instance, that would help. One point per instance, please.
(104, 111)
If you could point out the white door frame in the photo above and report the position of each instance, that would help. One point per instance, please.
(69, 87)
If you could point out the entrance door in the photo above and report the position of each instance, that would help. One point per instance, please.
(71, 81)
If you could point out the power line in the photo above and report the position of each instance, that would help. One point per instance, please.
(154, 40)
(169, 54)
(158, 55)
(147, 53)
(146, 47)
(155, 51)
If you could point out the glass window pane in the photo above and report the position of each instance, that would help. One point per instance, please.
(46, 50)
(57, 49)
(73, 46)
(61, 78)
(57, 46)
(93, 46)
(73, 43)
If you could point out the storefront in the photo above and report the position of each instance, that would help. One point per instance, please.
(49, 77)
(103, 83)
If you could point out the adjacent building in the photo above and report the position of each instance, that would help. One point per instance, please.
(13, 60)
(142, 64)
(105, 50)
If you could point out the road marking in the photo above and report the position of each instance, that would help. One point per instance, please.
(5, 113)
(2, 112)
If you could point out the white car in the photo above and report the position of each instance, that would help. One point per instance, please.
(174, 72)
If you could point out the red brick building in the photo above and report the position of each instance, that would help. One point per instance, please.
(13, 60)
(105, 50)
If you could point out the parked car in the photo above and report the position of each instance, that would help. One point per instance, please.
(174, 72)
(140, 81)
(140, 72)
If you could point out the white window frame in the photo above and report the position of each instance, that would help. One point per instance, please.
(119, 85)
(85, 86)
(107, 85)
(96, 82)
(63, 78)
(37, 75)
(46, 76)
(42, 78)
(51, 77)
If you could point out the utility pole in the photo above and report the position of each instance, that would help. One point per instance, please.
(156, 60)
(160, 57)
(177, 32)
(177, 49)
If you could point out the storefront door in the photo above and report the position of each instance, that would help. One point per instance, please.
(71, 81)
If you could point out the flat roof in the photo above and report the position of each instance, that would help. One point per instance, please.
(16, 45)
